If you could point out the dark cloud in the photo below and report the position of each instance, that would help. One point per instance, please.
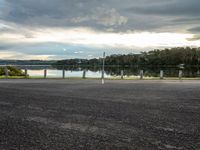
(196, 32)
(63, 13)
(172, 15)
(24, 16)
(195, 29)
(170, 8)
(107, 15)
(2, 47)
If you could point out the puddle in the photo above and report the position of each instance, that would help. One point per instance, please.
(165, 129)
(31, 107)
(172, 147)
(73, 126)
(79, 127)
(5, 103)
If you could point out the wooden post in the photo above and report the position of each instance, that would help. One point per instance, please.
(161, 74)
(45, 73)
(122, 74)
(63, 73)
(180, 74)
(198, 72)
(84, 74)
(26, 73)
(6, 72)
(141, 74)
(103, 68)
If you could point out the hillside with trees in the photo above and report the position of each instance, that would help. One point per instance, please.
(167, 57)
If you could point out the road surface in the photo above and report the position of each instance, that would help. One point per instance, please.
(83, 114)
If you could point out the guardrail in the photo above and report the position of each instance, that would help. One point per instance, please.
(101, 75)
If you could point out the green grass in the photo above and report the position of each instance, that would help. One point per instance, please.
(12, 77)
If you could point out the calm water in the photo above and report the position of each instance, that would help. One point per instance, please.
(95, 71)
(58, 73)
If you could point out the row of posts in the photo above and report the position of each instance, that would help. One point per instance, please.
(180, 74)
(141, 74)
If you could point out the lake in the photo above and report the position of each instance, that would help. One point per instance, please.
(110, 71)
(59, 73)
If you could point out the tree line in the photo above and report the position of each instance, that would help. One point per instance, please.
(167, 57)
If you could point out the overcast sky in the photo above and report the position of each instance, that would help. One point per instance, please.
(61, 29)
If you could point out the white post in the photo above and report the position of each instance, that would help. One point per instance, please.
(45, 73)
(161, 74)
(198, 72)
(122, 74)
(26, 73)
(63, 73)
(84, 74)
(180, 74)
(103, 68)
(141, 74)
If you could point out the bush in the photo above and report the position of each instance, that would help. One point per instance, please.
(2, 72)
(12, 71)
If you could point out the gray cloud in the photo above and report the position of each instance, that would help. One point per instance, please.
(170, 16)
(103, 14)
(24, 16)
(170, 8)
(196, 32)
(195, 29)
(62, 13)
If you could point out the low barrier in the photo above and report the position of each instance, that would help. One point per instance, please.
(104, 73)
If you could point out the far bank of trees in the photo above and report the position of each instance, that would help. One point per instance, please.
(167, 57)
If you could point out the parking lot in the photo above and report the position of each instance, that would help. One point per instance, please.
(84, 114)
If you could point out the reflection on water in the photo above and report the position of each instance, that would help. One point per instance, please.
(95, 71)
(59, 73)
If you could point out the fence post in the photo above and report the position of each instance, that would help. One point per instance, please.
(180, 74)
(198, 72)
(45, 73)
(103, 68)
(6, 71)
(141, 74)
(161, 74)
(63, 73)
(84, 74)
(122, 74)
(26, 73)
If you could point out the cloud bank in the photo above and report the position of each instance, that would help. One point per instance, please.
(49, 29)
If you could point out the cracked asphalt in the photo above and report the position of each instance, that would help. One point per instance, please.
(53, 114)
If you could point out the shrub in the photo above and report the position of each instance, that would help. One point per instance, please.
(12, 71)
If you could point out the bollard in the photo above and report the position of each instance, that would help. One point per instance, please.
(198, 72)
(45, 73)
(180, 74)
(84, 74)
(161, 74)
(26, 73)
(122, 74)
(102, 74)
(103, 68)
(141, 74)
(63, 73)
(6, 72)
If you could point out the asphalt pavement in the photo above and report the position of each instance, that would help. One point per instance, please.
(56, 114)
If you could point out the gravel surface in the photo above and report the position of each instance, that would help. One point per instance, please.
(83, 114)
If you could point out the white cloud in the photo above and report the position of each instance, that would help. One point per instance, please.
(109, 17)
(16, 55)
(84, 36)
(103, 16)
(78, 52)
